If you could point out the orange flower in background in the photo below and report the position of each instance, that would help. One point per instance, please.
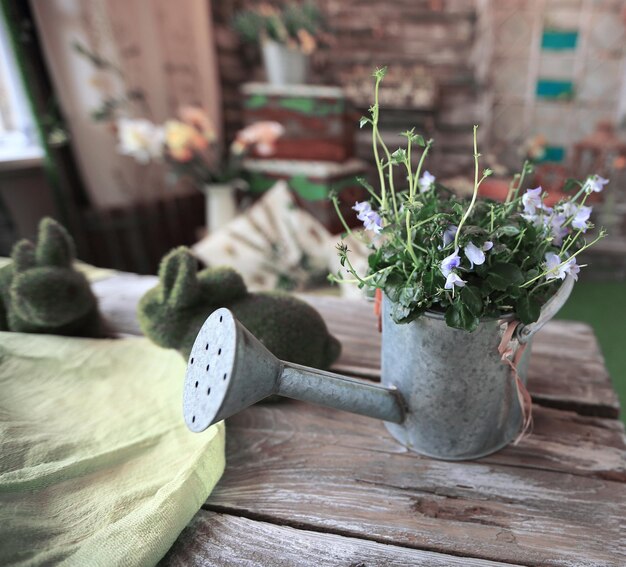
(197, 118)
(183, 140)
(267, 10)
(307, 42)
(620, 161)
(262, 135)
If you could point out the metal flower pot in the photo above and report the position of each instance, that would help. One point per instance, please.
(445, 393)
(284, 66)
(464, 401)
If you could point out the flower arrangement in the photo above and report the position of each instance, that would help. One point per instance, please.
(434, 251)
(189, 146)
(297, 26)
(187, 143)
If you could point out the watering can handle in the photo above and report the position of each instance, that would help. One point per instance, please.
(549, 310)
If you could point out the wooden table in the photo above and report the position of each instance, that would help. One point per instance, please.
(306, 485)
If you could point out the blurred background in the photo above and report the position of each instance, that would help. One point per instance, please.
(226, 125)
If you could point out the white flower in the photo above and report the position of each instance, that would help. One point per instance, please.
(532, 201)
(487, 245)
(454, 280)
(140, 139)
(557, 269)
(581, 217)
(554, 267)
(556, 224)
(426, 181)
(594, 184)
(474, 254)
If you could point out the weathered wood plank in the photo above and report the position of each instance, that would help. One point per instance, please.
(566, 368)
(216, 540)
(339, 484)
(561, 441)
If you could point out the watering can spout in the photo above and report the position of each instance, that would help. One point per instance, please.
(229, 370)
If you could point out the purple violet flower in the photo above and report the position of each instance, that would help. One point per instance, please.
(453, 280)
(426, 181)
(363, 209)
(373, 222)
(556, 225)
(573, 268)
(581, 217)
(451, 262)
(371, 219)
(532, 201)
(449, 234)
(595, 184)
(474, 254)
(556, 270)
(488, 245)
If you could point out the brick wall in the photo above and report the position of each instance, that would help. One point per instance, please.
(429, 46)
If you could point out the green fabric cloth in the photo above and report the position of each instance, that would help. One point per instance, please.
(96, 464)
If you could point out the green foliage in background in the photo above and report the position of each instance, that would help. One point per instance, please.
(172, 313)
(295, 25)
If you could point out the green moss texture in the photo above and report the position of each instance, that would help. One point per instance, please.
(41, 292)
(172, 313)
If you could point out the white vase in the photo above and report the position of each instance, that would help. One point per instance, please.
(220, 205)
(284, 66)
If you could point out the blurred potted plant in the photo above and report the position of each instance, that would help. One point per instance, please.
(187, 144)
(464, 286)
(287, 37)
(189, 148)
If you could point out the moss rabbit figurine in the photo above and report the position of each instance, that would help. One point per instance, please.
(41, 292)
(172, 312)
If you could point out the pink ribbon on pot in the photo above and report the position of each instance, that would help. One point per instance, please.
(512, 356)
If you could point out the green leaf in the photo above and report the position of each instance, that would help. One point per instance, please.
(504, 275)
(472, 299)
(431, 281)
(400, 312)
(373, 259)
(419, 140)
(459, 316)
(507, 230)
(399, 156)
(410, 295)
(393, 287)
(473, 230)
(571, 184)
(528, 309)
(363, 121)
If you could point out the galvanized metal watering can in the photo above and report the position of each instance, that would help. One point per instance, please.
(445, 393)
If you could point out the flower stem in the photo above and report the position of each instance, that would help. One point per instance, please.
(409, 240)
(392, 189)
(340, 215)
(407, 163)
(474, 195)
(418, 170)
(556, 268)
(514, 193)
(375, 136)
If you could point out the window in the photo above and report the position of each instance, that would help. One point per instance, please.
(18, 135)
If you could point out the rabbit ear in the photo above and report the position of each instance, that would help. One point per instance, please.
(55, 246)
(179, 282)
(23, 255)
